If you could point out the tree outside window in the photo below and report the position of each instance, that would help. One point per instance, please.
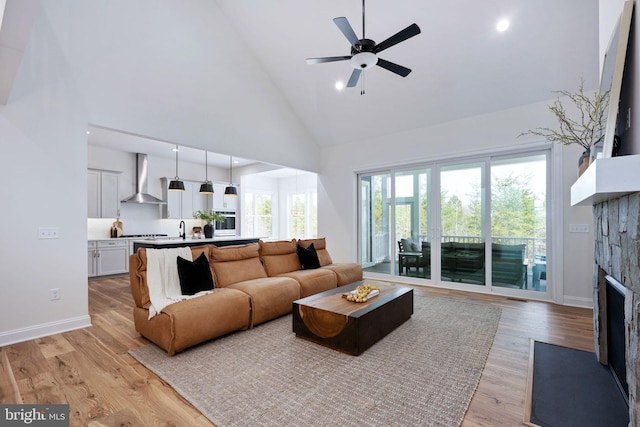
(258, 215)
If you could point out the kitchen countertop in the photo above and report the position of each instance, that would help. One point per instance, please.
(178, 242)
(165, 240)
(169, 239)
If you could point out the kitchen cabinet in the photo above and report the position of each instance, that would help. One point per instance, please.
(182, 204)
(108, 257)
(222, 202)
(92, 259)
(103, 194)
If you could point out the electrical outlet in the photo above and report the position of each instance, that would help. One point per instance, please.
(578, 228)
(48, 233)
(55, 294)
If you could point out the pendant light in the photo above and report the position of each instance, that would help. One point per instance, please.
(231, 190)
(176, 184)
(207, 186)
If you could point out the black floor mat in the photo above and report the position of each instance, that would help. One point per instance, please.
(571, 388)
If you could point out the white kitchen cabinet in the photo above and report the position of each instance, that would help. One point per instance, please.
(91, 255)
(103, 194)
(187, 200)
(231, 202)
(221, 202)
(182, 204)
(108, 257)
(199, 201)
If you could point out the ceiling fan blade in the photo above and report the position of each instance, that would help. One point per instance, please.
(345, 27)
(394, 68)
(327, 59)
(410, 31)
(355, 75)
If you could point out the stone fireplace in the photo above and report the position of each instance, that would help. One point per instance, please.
(617, 258)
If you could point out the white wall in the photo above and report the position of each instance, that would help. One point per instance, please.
(497, 131)
(149, 79)
(43, 162)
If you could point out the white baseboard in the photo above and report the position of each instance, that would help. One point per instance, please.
(578, 302)
(43, 330)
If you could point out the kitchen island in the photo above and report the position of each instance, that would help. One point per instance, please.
(178, 242)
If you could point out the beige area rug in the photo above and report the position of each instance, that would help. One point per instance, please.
(423, 373)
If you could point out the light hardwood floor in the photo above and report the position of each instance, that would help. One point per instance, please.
(91, 370)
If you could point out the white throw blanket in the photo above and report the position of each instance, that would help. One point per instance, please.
(162, 277)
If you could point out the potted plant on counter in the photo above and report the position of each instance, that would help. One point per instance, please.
(586, 130)
(209, 217)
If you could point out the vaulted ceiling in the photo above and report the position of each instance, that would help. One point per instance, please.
(461, 65)
(238, 66)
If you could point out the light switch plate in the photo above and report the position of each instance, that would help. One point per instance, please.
(48, 233)
(578, 228)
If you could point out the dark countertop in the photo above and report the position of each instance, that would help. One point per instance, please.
(178, 242)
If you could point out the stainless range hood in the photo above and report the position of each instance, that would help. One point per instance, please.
(141, 195)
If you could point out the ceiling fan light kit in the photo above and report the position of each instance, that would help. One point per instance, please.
(364, 60)
(364, 51)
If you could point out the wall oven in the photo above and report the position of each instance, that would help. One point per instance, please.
(227, 227)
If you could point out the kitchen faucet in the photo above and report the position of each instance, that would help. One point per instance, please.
(183, 230)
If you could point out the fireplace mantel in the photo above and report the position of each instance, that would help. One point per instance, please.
(606, 179)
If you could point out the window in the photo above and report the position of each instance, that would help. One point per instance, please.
(488, 227)
(258, 217)
(303, 215)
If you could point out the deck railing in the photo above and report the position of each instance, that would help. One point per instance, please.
(533, 245)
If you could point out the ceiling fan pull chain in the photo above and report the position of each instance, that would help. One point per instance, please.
(362, 84)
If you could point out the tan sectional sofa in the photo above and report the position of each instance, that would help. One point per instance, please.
(189, 322)
(346, 272)
(254, 283)
(280, 259)
(239, 268)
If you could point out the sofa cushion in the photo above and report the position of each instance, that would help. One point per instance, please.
(271, 297)
(190, 322)
(233, 264)
(313, 281)
(346, 272)
(195, 276)
(308, 257)
(279, 257)
(409, 245)
(321, 249)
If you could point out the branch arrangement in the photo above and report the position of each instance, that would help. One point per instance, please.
(586, 131)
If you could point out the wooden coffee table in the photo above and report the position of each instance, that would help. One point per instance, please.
(330, 320)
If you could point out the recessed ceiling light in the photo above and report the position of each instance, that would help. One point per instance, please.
(339, 85)
(88, 132)
(503, 24)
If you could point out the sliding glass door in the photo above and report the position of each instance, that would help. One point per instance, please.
(488, 227)
(519, 223)
(375, 205)
(412, 222)
(462, 207)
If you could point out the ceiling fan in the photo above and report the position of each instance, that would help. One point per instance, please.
(364, 51)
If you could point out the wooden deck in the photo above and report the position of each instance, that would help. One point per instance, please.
(91, 370)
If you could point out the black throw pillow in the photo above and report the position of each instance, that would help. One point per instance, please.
(195, 276)
(308, 257)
